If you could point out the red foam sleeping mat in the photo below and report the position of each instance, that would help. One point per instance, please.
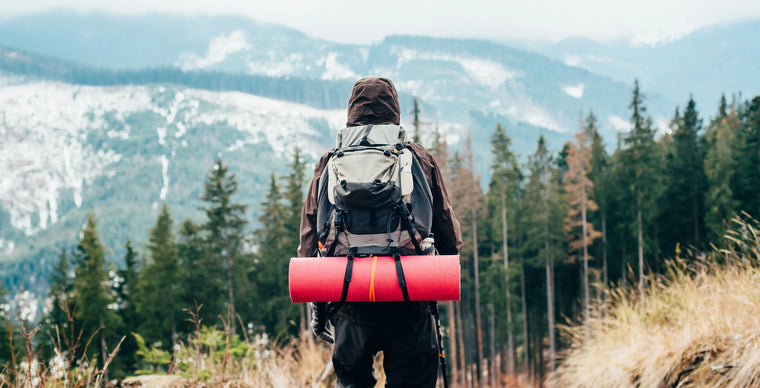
(320, 279)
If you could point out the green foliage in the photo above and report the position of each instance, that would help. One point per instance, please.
(746, 177)
(92, 297)
(225, 242)
(720, 142)
(156, 359)
(682, 204)
(156, 289)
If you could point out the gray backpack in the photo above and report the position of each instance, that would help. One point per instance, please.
(373, 197)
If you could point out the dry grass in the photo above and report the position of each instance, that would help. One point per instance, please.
(698, 326)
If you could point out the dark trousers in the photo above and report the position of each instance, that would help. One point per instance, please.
(410, 357)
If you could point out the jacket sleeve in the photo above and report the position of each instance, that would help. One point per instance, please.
(307, 246)
(448, 236)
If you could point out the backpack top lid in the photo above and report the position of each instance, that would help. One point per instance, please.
(377, 134)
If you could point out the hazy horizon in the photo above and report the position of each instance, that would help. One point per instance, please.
(643, 22)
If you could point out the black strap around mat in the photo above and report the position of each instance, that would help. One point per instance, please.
(400, 275)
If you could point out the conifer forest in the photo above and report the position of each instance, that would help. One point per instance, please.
(547, 233)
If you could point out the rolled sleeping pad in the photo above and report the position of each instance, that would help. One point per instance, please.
(321, 279)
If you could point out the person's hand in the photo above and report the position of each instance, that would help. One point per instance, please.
(319, 322)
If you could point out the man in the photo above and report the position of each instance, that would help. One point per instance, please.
(403, 331)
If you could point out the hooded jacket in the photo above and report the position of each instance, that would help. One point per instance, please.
(374, 101)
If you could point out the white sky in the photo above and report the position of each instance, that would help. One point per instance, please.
(352, 21)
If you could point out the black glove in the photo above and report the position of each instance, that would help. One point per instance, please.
(319, 322)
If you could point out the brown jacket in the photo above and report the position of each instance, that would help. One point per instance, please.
(374, 101)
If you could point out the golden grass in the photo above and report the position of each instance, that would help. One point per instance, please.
(699, 326)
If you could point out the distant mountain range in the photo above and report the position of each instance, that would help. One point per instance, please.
(117, 114)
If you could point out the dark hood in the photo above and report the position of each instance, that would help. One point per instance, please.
(373, 101)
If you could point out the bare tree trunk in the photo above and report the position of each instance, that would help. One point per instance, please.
(453, 342)
(605, 277)
(641, 254)
(460, 334)
(526, 342)
(172, 318)
(549, 296)
(478, 328)
(586, 299)
(492, 355)
(510, 336)
(230, 292)
(696, 220)
(103, 352)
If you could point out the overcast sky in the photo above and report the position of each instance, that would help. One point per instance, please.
(352, 21)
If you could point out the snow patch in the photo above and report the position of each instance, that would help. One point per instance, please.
(619, 124)
(534, 115)
(165, 177)
(335, 70)
(219, 48)
(574, 91)
(573, 60)
(274, 68)
(45, 150)
(486, 72)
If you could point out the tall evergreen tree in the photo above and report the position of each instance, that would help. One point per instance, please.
(61, 287)
(545, 238)
(467, 201)
(224, 227)
(720, 139)
(295, 183)
(416, 122)
(599, 175)
(126, 293)
(683, 201)
(746, 177)
(157, 285)
(503, 193)
(201, 282)
(641, 159)
(93, 299)
(271, 274)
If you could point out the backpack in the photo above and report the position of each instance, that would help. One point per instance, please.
(373, 197)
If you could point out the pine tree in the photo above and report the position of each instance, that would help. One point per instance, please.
(94, 310)
(225, 234)
(467, 202)
(720, 139)
(502, 194)
(599, 175)
(416, 122)
(157, 285)
(746, 177)
(580, 196)
(126, 292)
(641, 159)
(295, 183)
(271, 238)
(545, 238)
(201, 286)
(61, 287)
(683, 201)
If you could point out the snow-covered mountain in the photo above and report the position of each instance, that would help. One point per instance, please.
(121, 151)
(117, 114)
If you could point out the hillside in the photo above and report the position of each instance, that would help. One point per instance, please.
(706, 62)
(121, 151)
(697, 326)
